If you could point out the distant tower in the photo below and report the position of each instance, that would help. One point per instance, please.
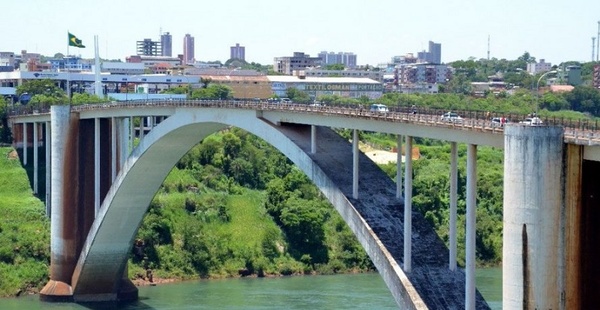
(593, 46)
(488, 47)
(237, 52)
(598, 44)
(167, 44)
(188, 49)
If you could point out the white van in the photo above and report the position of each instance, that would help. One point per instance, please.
(379, 108)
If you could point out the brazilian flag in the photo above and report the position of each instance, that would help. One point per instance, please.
(73, 41)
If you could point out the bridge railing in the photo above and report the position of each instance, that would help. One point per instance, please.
(576, 129)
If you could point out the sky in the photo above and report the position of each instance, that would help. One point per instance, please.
(374, 30)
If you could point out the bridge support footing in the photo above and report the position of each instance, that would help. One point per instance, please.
(56, 291)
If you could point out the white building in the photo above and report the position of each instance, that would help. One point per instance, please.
(127, 68)
(539, 67)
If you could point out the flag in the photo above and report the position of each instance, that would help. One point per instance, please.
(73, 41)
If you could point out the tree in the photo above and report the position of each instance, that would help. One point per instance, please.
(338, 67)
(41, 87)
(297, 95)
(5, 134)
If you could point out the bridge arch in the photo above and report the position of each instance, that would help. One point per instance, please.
(105, 252)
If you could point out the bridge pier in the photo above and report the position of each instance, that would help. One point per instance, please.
(80, 148)
(62, 245)
(532, 246)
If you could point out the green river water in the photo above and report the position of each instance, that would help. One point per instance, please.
(351, 291)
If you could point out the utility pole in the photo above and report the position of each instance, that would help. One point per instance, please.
(489, 46)
(593, 46)
(598, 44)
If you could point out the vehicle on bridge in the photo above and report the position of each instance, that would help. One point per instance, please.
(452, 117)
(499, 121)
(381, 108)
(532, 121)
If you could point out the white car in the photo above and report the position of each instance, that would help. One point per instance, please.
(379, 108)
(532, 121)
(451, 117)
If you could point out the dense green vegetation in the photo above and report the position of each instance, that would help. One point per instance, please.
(234, 205)
(24, 230)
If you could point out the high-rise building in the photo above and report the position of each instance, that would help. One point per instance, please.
(149, 48)
(330, 58)
(435, 49)
(167, 44)
(238, 52)
(188, 49)
(433, 56)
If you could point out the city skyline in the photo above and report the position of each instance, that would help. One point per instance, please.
(553, 30)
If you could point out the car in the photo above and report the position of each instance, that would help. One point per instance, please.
(286, 100)
(380, 108)
(532, 121)
(499, 121)
(451, 117)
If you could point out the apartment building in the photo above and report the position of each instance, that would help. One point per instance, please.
(300, 61)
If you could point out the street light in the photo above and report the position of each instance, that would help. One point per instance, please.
(537, 91)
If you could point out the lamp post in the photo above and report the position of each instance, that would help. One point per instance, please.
(537, 91)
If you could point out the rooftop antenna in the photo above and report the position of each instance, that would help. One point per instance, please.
(593, 46)
(488, 51)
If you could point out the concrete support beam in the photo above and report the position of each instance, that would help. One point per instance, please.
(24, 144)
(113, 148)
(62, 239)
(47, 146)
(408, 206)
(453, 203)
(471, 226)
(574, 226)
(313, 139)
(96, 165)
(142, 128)
(355, 152)
(399, 168)
(533, 199)
(36, 163)
(124, 139)
(131, 134)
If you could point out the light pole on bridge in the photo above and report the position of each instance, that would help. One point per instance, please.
(537, 92)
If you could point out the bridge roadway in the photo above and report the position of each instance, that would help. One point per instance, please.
(376, 215)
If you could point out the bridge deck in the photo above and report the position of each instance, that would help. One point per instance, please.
(439, 287)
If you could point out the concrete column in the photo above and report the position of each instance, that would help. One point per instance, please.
(355, 153)
(313, 139)
(131, 134)
(62, 249)
(47, 146)
(36, 163)
(113, 149)
(408, 206)
(24, 144)
(123, 141)
(142, 133)
(574, 226)
(399, 167)
(453, 202)
(471, 227)
(533, 175)
(96, 165)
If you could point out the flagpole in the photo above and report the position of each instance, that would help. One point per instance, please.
(97, 83)
(68, 71)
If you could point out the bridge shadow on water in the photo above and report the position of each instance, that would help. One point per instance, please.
(129, 305)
